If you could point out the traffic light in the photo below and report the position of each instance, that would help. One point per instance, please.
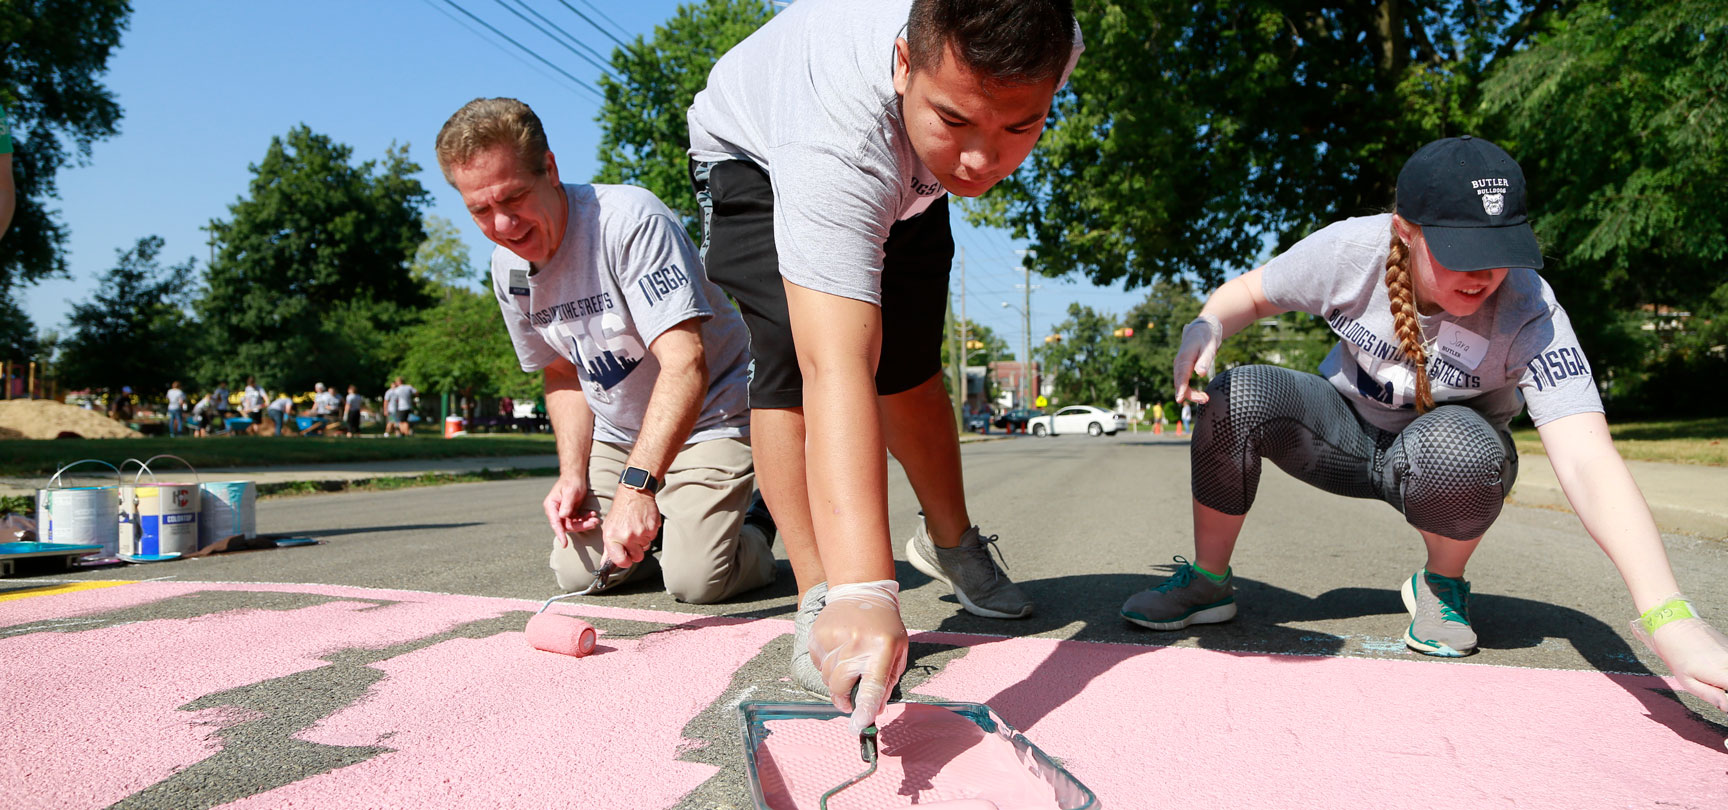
(1124, 332)
(972, 345)
(1053, 339)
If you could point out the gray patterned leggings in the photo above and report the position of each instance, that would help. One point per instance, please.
(1448, 472)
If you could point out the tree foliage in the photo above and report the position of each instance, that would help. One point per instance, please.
(1619, 116)
(644, 137)
(52, 55)
(1194, 132)
(312, 281)
(442, 260)
(133, 330)
(462, 347)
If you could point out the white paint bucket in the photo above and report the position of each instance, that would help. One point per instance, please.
(160, 519)
(80, 515)
(165, 519)
(229, 508)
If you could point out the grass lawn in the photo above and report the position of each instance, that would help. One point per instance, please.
(33, 457)
(1685, 441)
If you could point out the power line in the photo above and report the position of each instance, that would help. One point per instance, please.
(590, 21)
(512, 54)
(580, 55)
(527, 50)
(602, 15)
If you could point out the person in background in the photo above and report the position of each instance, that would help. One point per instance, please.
(325, 407)
(219, 399)
(204, 415)
(176, 409)
(1187, 417)
(281, 410)
(351, 407)
(252, 406)
(400, 402)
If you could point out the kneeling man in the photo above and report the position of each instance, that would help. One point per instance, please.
(646, 363)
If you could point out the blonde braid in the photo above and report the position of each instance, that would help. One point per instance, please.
(1404, 322)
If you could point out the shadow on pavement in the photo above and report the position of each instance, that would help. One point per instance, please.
(1504, 623)
(395, 527)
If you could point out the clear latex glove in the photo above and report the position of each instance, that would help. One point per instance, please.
(860, 639)
(1200, 341)
(1697, 655)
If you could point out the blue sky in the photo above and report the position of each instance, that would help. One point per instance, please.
(206, 85)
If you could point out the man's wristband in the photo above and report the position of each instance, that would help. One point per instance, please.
(1672, 609)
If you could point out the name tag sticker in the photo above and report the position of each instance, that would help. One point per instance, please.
(1461, 346)
(518, 282)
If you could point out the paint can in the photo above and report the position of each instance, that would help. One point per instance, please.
(227, 508)
(158, 520)
(80, 515)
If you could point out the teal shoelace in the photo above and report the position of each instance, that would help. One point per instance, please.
(1180, 579)
(1454, 598)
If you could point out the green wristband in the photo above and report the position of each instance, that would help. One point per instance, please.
(1672, 610)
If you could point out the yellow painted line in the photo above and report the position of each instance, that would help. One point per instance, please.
(26, 593)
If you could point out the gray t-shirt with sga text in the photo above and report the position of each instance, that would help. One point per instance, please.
(1518, 349)
(624, 274)
(809, 97)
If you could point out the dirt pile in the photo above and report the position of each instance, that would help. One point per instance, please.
(47, 419)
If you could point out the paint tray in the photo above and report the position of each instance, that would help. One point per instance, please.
(760, 721)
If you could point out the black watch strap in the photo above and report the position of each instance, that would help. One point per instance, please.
(638, 478)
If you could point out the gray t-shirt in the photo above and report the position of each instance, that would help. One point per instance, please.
(400, 397)
(355, 402)
(176, 399)
(1517, 350)
(625, 273)
(809, 97)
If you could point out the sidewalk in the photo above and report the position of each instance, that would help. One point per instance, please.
(1686, 498)
(345, 471)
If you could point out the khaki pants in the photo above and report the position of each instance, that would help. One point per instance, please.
(707, 554)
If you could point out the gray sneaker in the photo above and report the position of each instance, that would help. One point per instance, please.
(1187, 597)
(1439, 615)
(977, 581)
(804, 671)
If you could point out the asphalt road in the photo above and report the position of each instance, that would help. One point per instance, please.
(1083, 523)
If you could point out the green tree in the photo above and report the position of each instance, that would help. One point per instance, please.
(1082, 367)
(1618, 116)
(463, 348)
(442, 260)
(1197, 132)
(644, 139)
(133, 330)
(52, 55)
(312, 281)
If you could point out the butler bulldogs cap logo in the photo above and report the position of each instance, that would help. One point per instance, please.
(1468, 196)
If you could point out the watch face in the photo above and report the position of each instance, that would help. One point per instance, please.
(635, 477)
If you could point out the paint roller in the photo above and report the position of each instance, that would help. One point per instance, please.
(567, 635)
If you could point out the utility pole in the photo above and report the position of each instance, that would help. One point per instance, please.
(965, 338)
(957, 351)
(1025, 372)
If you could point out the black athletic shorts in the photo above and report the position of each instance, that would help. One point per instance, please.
(738, 251)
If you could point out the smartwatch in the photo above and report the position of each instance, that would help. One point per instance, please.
(640, 479)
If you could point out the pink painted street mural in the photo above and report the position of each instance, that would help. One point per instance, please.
(303, 696)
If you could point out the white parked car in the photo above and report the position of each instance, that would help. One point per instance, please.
(1078, 419)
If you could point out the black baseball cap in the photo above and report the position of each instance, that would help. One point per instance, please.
(1468, 196)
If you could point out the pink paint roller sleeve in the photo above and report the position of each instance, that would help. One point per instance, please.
(566, 635)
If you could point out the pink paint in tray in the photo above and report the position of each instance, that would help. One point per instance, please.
(937, 755)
